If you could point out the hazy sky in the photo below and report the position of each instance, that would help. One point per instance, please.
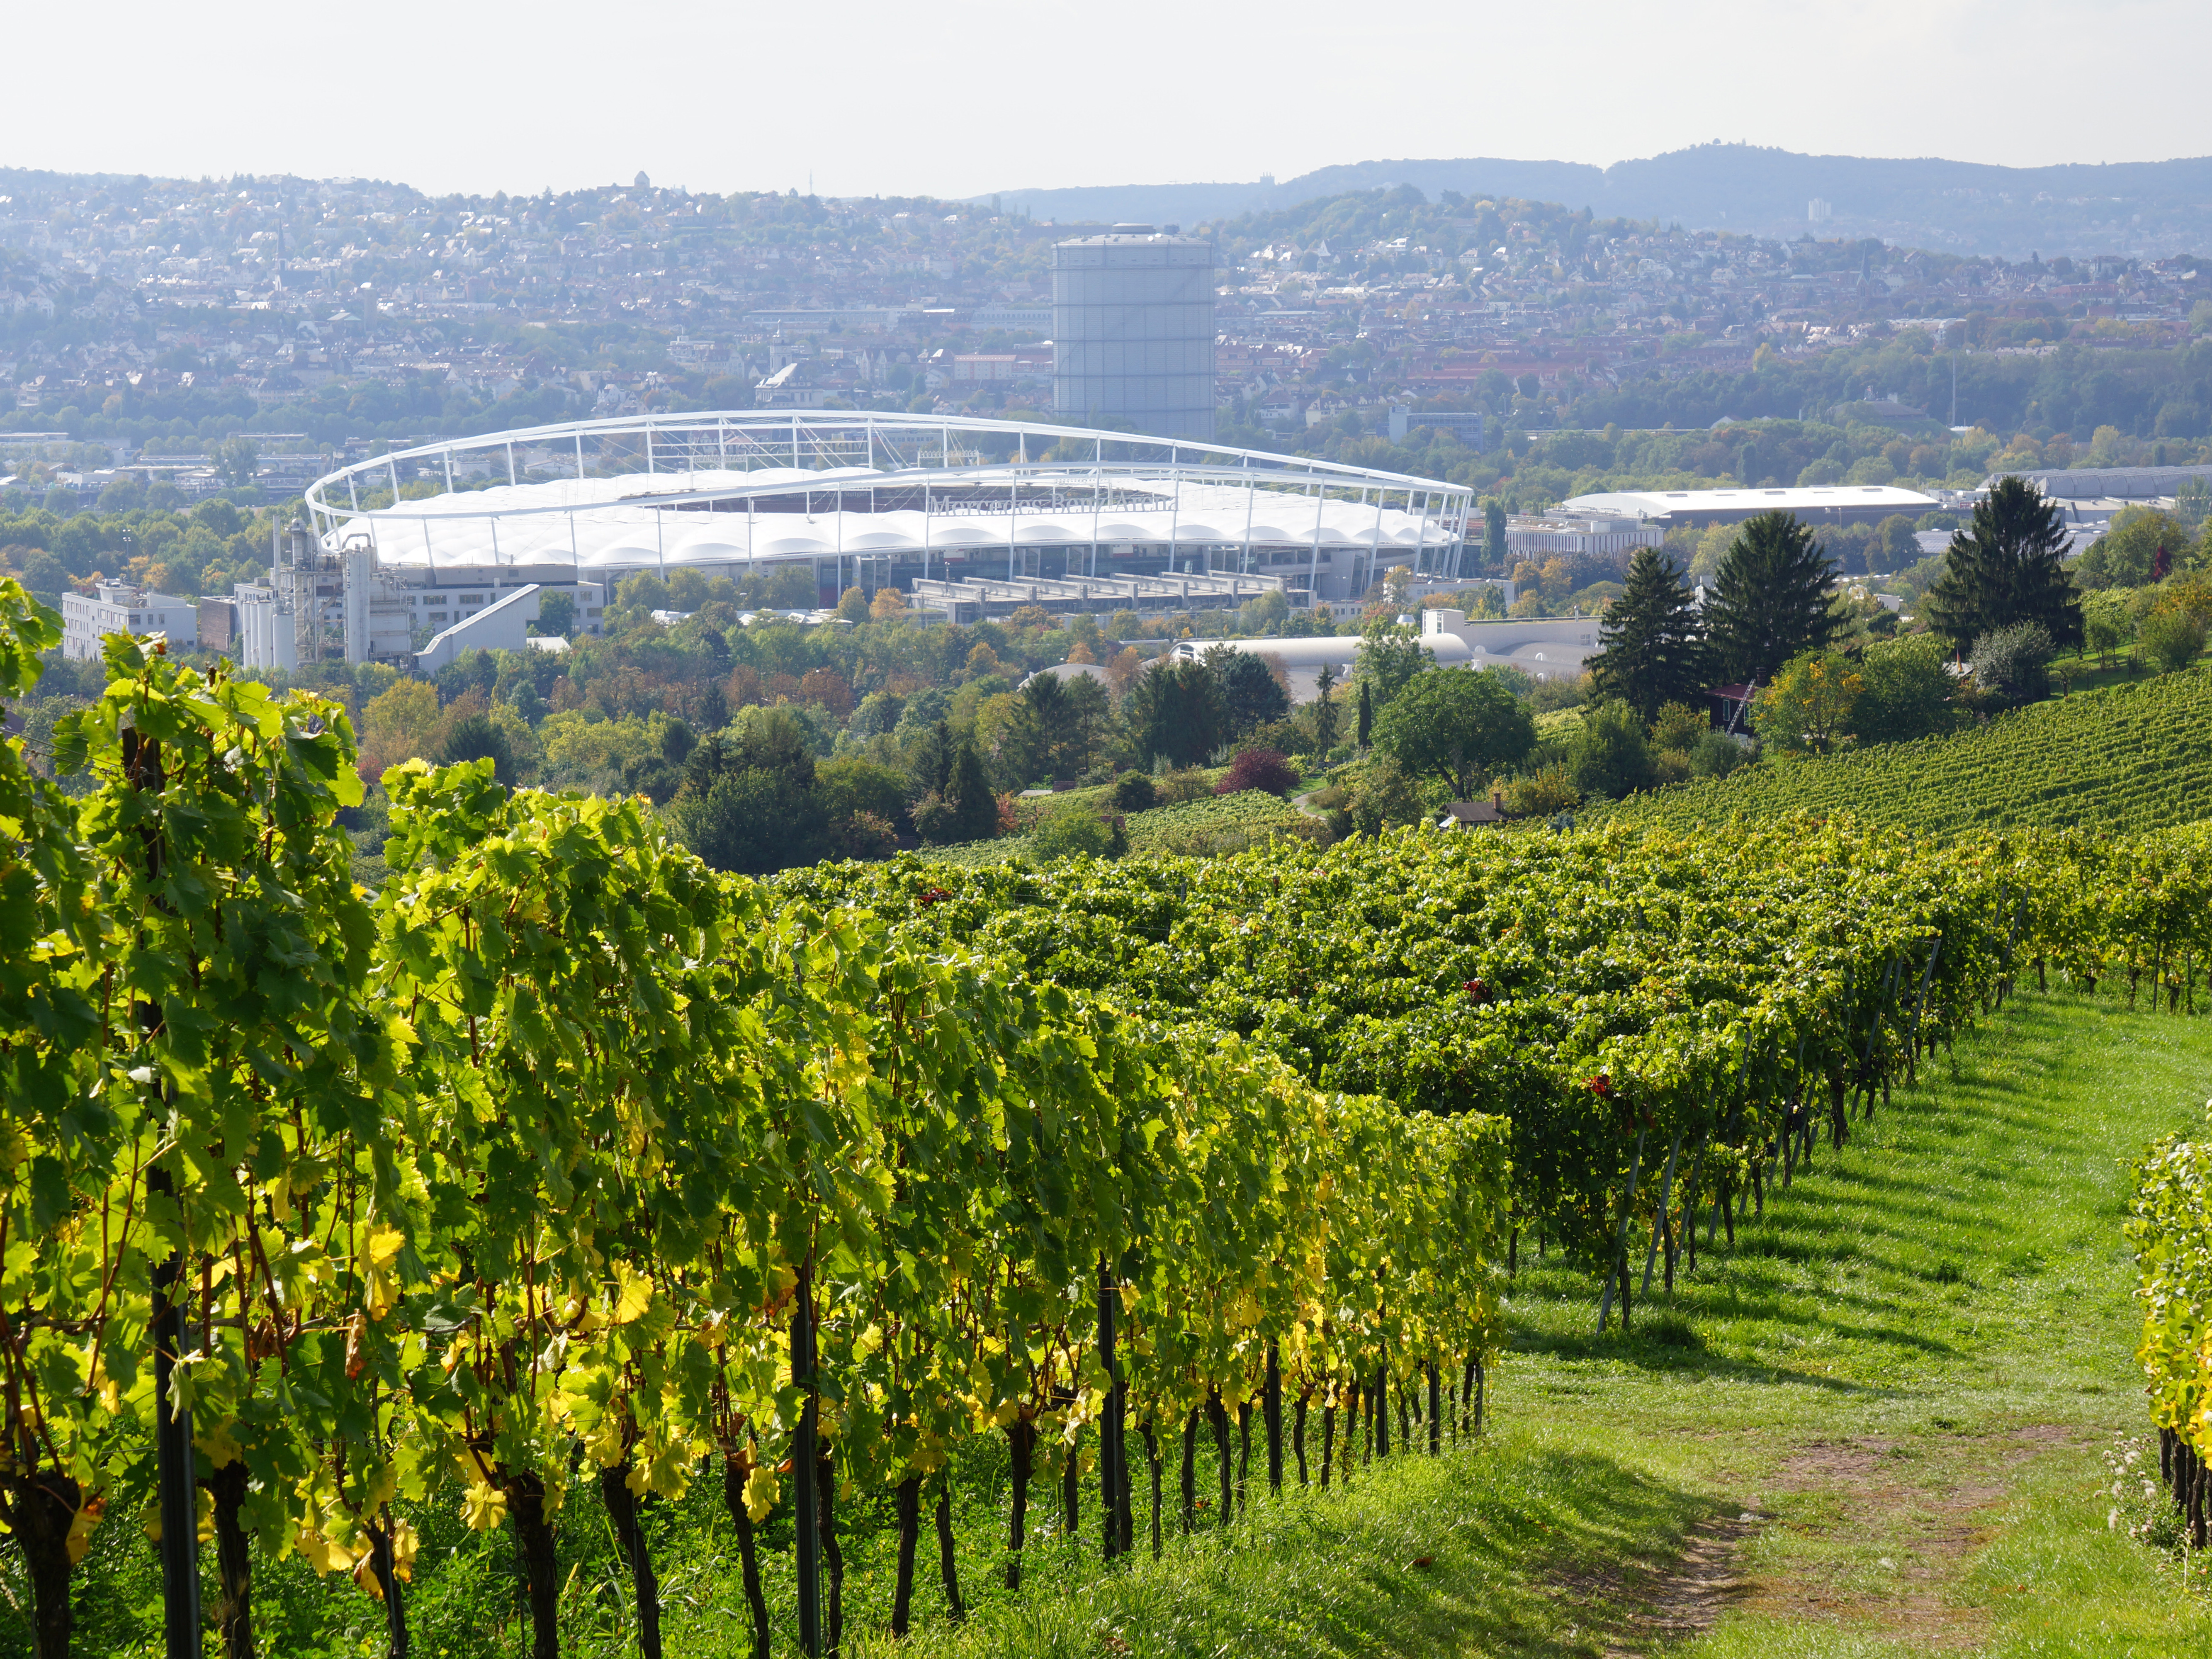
(957, 99)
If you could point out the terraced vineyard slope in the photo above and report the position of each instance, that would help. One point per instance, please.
(2131, 758)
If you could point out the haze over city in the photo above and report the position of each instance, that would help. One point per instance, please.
(897, 100)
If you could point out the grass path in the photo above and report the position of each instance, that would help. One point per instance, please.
(1904, 1382)
(1877, 1428)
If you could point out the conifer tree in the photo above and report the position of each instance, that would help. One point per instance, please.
(1652, 652)
(1770, 599)
(2005, 569)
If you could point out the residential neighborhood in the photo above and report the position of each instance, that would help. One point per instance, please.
(254, 332)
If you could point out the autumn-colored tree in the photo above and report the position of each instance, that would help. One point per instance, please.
(1809, 705)
(399, 725)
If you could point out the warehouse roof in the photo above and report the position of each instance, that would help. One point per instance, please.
(1810, 501)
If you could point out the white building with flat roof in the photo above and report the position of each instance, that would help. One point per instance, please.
(119, 608)
(1815, 503)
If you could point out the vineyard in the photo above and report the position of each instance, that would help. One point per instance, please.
(1191, 829)
(2169, 1225)
(564, 1160)
(2128, 759)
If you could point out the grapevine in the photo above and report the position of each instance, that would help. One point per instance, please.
(566, 1159)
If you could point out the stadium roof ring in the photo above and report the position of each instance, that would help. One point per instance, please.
(892, 497)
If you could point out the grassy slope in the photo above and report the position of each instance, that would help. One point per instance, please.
(2129, 758)
(1907, 1373)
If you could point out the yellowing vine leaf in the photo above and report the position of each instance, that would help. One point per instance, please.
(483, 1507)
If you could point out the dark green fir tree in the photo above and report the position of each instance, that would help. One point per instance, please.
(1651, 648)
(1770, 599)
(2005, 568)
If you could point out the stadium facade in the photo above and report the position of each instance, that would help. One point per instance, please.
(969, 518)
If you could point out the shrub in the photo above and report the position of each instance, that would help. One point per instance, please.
(1612, 756)
(1542, 793)
(1551, 695)
(863, 834)
(1259, 769)
(1133, 792)
(2173, 638)
(1716, 755)
(2012, 665)
(1174, 785)
(1065, 834)
(1679, 727)
(1387, 796)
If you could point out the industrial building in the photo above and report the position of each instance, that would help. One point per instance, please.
(1543, 649)
(326, 601)
(1553, 533)
(972, 518)
(2133, 483)
(1817, 504)
(1133, 330)
(119, 608)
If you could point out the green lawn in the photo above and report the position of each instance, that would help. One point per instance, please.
(1878, 1427)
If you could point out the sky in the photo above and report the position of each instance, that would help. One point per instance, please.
(863, 98)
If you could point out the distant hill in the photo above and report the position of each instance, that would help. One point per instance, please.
(2145, 208)
(2131, 758)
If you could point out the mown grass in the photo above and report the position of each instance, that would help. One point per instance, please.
(1906, 1373)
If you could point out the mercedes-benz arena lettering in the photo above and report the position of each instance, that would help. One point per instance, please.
(971, 518)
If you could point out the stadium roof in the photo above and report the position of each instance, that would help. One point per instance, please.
(719, 489)
(718, 517)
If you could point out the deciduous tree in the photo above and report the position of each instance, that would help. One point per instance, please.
(1389, 657)
(1810, 704)
(1457, 725)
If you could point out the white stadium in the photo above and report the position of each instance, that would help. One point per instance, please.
(462, 537)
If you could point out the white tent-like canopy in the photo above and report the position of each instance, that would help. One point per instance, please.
(723, 491)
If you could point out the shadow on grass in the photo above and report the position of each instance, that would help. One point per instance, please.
(1519, 1546)
(1647, 1355)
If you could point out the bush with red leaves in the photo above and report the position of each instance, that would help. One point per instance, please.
(1478, 992)
(1602, 1086)
(1259, 769)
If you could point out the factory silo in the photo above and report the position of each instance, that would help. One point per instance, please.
(1133, 330)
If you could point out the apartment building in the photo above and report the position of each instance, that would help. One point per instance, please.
(119, 608)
